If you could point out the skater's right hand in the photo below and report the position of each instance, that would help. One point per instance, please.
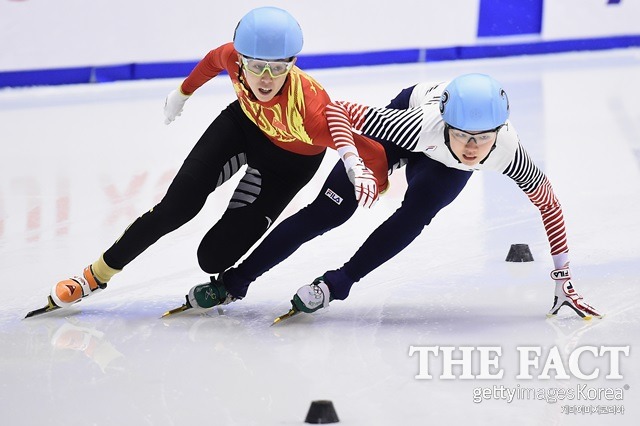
(364, 182)
(566, 295)
(173, 105)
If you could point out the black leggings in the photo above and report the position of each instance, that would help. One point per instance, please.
(272, 178)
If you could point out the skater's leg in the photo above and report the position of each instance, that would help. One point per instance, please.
(431, 187)
(216, 156)
(333, 206)
(272, 179)
(259, 199)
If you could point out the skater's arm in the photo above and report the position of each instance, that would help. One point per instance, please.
(537, 187)
(401, 127)
(210, 66)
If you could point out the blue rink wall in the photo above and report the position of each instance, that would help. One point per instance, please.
(503, 28)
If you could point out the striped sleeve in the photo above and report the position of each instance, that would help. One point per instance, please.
(341, 118)
(401, 127)
(538, 188)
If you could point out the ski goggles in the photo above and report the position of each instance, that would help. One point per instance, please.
(258, 67)
(480, 138)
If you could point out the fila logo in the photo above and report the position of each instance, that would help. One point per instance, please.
(560, 274)
(333, 196)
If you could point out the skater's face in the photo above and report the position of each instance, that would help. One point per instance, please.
(471, 147)
(265, 78)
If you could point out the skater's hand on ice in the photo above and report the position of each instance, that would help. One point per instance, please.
(566, 295)
(364, 182)
(173, 105)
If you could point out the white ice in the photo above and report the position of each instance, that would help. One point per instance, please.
(79, 163)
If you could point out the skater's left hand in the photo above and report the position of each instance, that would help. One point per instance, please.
(364, 182)
(566, 295)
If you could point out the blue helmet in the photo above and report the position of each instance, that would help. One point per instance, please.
(474, 102)
(268, 33)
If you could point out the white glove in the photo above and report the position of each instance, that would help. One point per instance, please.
(566, 295)
(173, 105)
(363, 180)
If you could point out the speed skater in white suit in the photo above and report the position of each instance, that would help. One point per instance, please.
(442, 132)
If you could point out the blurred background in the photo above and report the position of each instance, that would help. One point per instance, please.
(78, 41)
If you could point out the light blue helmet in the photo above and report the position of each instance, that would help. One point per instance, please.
(474, 102)
(268, 33)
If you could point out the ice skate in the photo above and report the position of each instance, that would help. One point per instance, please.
(309, 298)
(205, 296)
(208, 295)
(566, 295)
(312, 297)
(67, 292)
(72, 290)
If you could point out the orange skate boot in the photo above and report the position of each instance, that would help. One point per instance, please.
(72, 290)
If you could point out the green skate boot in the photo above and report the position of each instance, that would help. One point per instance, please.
(208, 295)
(204, 296)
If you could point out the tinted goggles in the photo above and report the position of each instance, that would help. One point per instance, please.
(258, 67)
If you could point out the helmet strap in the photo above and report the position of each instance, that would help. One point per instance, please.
(447, 142)
(243, 80)
(494, 144)
(490, 151)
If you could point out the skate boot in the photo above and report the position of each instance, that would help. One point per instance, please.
(312, 297)
(72, 290)
(566, 295)
(208, 295)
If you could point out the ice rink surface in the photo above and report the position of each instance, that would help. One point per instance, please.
(79, 163)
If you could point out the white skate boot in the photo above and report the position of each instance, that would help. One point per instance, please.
(312, 297)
